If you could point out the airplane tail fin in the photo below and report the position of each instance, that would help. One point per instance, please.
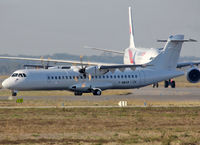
(131, 29)
(169, 56)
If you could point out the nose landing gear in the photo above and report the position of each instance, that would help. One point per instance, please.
(14, 93)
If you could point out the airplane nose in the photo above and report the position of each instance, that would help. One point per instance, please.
(5, 84)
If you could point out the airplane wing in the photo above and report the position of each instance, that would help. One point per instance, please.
(121, 67)
(56, 61)
(101, 66)
(185, 64)
(105, 50)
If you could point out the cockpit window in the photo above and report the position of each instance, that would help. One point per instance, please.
(19, 75)
(15, 75)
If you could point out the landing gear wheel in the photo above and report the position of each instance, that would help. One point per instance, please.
(78, 93)
(173, 84)
(166, 84)
(155, 85)
(14, 93)
(97, 93)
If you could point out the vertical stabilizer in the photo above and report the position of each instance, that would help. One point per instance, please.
(169, 56)
(132, 44)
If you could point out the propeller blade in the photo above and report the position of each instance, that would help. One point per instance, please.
(89, 77)
(81, 60)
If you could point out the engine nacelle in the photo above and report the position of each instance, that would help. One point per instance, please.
(193, 75)
(94, 70)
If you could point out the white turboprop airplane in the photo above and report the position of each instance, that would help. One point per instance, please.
(98, 77)
(139, 56)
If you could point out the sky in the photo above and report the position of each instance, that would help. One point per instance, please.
(41, 27)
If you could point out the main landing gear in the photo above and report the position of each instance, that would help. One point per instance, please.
(155, 85)
(171, 83)
(78, 93)
(97, 92)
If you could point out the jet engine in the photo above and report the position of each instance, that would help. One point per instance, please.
(193, 75)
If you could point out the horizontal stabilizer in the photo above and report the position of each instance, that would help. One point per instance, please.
(185, 64)
(189, 40)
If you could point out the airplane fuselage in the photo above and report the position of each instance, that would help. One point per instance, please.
(68, 79)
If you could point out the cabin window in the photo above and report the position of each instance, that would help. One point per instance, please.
(66, 77)
(59, 77)
(63, 77)
(122, 76)
(129, 76)
(52, 77)
(81, 77)
(125, 76)
(99, 77)
(48, 77)
(92, 77)
(111, 76)
(104, 77)
(132, 76)
(96, 77)
(115, 76)
(107, 77)
(135, 76)
(118, 76)
(70, 77)
(56, 77)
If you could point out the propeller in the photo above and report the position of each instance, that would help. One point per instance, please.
(42, 62)
(83, 68)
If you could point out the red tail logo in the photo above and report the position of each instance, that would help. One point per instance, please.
(130, 56)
